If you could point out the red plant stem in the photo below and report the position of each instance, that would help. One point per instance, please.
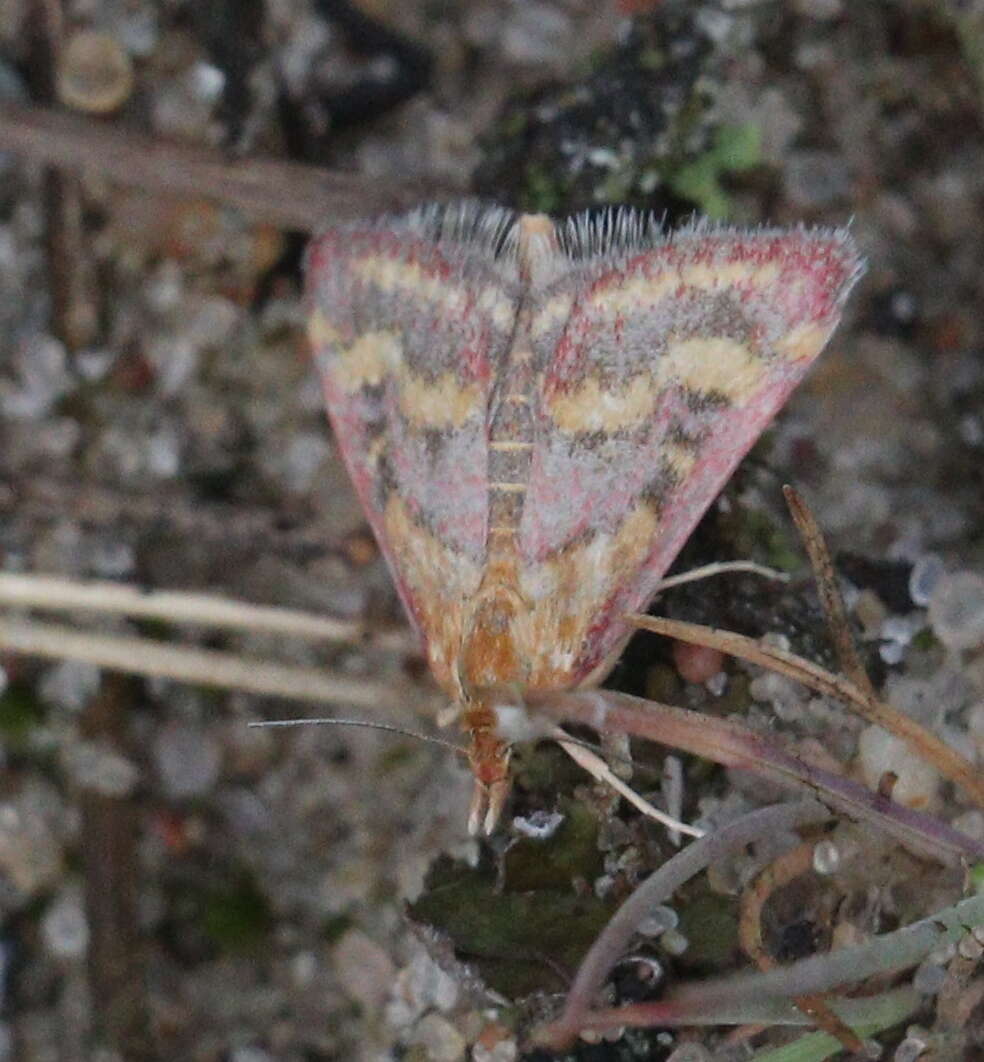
(729, 743)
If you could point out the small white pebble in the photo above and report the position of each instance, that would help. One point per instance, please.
(64, 927)
(785, 697)
(673, 942)
(956, 610)
(891, 652)
(970, 823)
(901, 629)
(924, 577)
(826, 857)
(917, 784)
(97, 767)
(70, 685)
(717, 684)
(250, 1054)
(502, 1051)
(439, 1039)
(188, 760)
(909, 1050)
(539, 826)
(775, 640)
(659, 920)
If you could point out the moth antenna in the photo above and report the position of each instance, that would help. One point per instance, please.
(366, 724)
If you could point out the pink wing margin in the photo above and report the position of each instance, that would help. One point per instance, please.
(724, 324)
(409, 318)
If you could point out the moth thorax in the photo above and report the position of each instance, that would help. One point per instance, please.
(494, 644)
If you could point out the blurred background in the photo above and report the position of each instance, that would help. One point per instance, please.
(174, 885)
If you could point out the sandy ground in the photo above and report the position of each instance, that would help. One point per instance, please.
(176, 886)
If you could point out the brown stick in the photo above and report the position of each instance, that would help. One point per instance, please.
(289, 194)
(830, 596)
(73, 320)
(116, 959)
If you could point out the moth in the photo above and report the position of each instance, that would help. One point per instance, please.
(535, 415)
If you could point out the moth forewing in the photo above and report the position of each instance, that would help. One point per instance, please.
(535, 416)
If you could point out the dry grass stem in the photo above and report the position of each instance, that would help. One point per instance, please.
(599, 770)
(53, 593)
(707, 571)
(948, 761)
(288, 194)
(205, 667)
(830, 595)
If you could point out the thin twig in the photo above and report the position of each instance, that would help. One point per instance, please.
(205, 667)
(284, 193)
(830, 595)
(48, 592)
(947, 760)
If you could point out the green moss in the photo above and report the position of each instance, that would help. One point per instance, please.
(617, 186)
(571, 854)
(20, 713)
(977, 878)
(738, 147)
(756, 534)
(541, 193)
(698, 182)
(710, 924)
(237, 918)
(520, 922)
(924, 640)
(334, 928)
(544, 768)
(734, 148)
(517, 941)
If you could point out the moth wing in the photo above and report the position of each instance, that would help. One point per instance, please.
(409, 319)
(660, 368)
